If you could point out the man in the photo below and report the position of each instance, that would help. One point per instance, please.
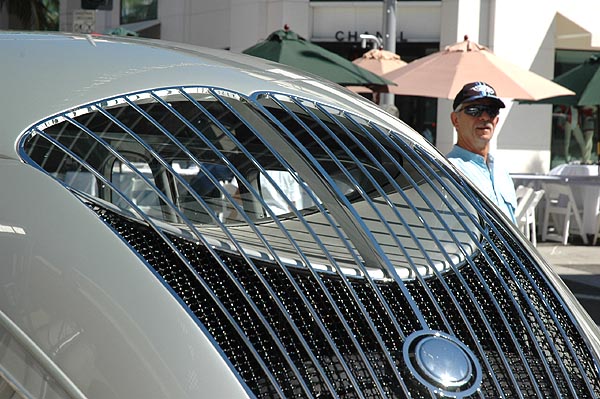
(475, 116)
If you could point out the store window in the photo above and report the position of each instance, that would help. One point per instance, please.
(574, 128)
(138, 11)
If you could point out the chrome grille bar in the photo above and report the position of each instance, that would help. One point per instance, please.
(517, 308)
(533, 338)
(222, 226)
(439, 276)
(266, 243)
(427, 243)
(264, 240)
(506, 323)
(162, 234)
(389, 267)
(341, 318)
(367, 198)
(408, 152)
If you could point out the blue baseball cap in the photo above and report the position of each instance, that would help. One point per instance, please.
(475, 91)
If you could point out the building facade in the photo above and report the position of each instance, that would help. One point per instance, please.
(528, 33)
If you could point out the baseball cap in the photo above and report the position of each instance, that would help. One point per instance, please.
(474, 91)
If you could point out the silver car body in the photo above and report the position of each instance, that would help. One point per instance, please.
(86, 311)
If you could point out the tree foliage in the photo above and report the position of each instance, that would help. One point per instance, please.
(34, 14)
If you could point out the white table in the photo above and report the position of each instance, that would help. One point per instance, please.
(586, 191)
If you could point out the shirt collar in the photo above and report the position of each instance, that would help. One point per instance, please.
(459, 152)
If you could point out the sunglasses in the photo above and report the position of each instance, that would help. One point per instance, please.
(477, 110)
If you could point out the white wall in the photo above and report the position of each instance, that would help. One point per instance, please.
(416, 21)
(459, 18)
(523, 142)
(585, 15)
(232, 24)
(175, 15)
(254, 20)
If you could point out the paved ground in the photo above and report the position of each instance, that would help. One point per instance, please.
(579, 266)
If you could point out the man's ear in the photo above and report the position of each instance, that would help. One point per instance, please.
(454, 118)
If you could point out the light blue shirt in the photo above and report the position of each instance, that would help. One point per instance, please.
(490, 178)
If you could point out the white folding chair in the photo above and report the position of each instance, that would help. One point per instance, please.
(561, 208)
(527, 223)
(524, 198)
(597, 233)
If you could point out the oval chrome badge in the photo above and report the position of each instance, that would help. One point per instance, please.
(442, 363)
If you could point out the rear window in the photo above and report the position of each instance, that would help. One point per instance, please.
(275, 176)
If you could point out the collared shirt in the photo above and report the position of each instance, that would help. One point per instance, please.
(490, 178)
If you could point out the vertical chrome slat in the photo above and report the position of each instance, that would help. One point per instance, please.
(531, 335)
(240, 249)
(517, 308)
(199, 236)
(457, 241)
(473, 266)
(538, 318)
(557, 323)
(535, 356)
(273, 252)
(434, 237)
(48, 158)
(160, 232)
(386, 265)
(367, 277)
(284, 269)
(366, 198)
(559, 327)
(341, 318)
(300, 253)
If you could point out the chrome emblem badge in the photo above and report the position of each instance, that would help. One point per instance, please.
(442, 363)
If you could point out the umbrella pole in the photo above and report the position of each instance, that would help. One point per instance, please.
(389, 42)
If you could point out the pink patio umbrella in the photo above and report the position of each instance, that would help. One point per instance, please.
(360, 89)
(443, 74)
(380, 61)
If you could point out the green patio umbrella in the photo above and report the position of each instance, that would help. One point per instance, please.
(287, 47)
(584, 80)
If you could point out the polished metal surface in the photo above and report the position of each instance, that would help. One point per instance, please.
(442, 362)
(400, 220)
(396, 277)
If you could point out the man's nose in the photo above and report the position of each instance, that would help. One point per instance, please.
(485, 115)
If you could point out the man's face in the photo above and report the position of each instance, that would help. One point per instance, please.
(475, 123)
